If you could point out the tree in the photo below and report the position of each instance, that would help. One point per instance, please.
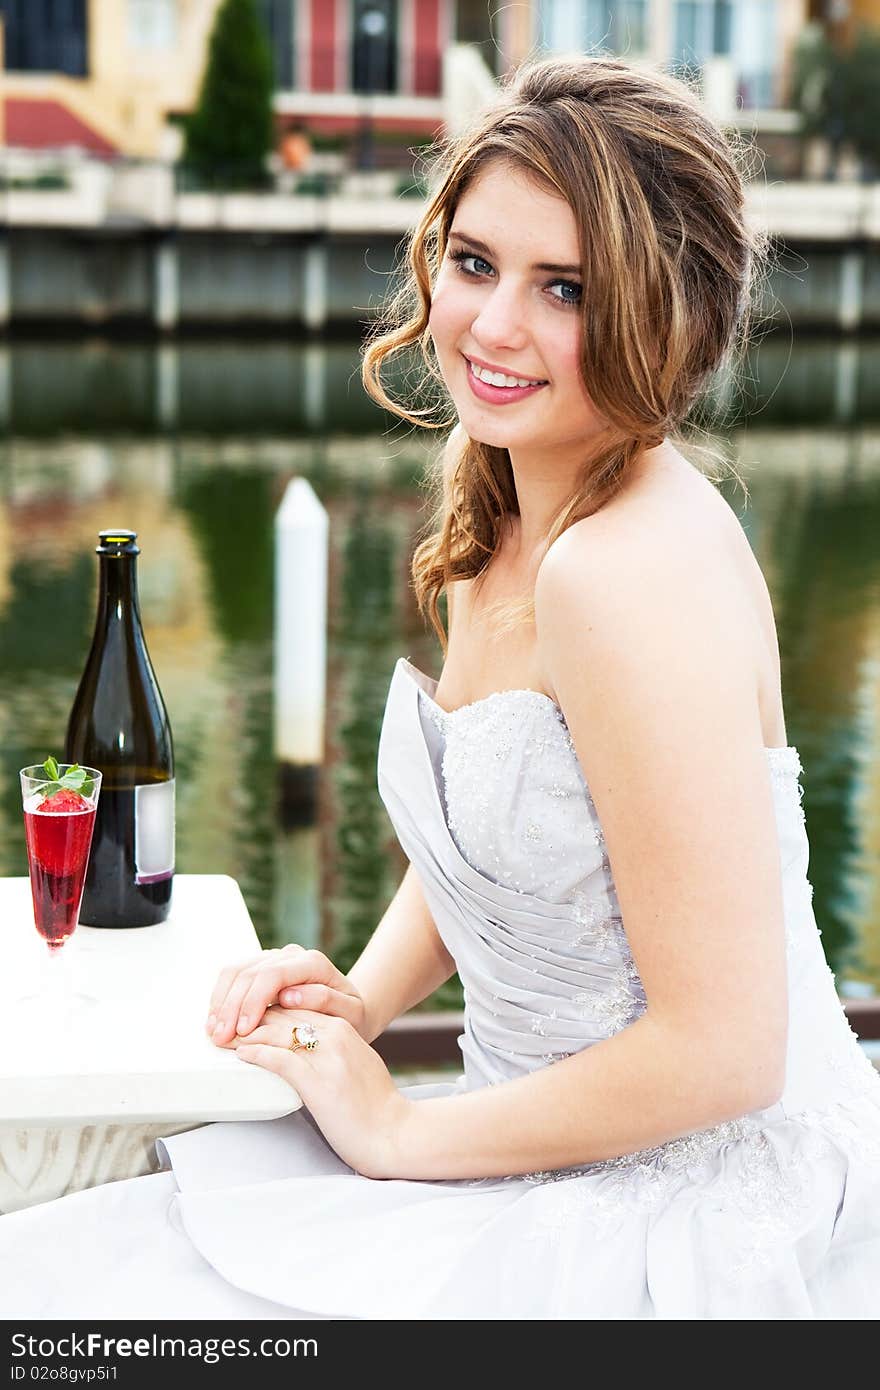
(837, 91)
(231, 131)
(864, 97)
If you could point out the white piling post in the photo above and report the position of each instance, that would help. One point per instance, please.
(167, 360)
(166, 283)
(301, 540)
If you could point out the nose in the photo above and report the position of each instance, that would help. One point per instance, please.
(501, 320)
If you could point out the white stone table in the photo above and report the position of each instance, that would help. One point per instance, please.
(82, 1101)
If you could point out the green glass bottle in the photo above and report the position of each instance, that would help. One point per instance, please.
(119, 725)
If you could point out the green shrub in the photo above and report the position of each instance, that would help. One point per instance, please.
(837, 91)
(231, 131)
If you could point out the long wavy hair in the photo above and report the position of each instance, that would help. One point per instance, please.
(669, 266)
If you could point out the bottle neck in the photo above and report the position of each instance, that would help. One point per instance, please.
(118, 590)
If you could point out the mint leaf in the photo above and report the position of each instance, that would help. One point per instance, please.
(75, 779)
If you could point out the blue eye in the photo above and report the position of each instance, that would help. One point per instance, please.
(480, 267)
(571, 291)
(469, 263)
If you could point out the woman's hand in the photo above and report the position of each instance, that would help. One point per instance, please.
(294, 978)
(344, 1083)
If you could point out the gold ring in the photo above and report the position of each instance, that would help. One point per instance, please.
(303, 1035)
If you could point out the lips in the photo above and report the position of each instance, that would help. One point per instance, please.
(496, 390)
(494, 376)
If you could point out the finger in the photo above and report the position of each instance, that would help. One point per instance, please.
(288, 970)
(322, 999)
(221, 989)
(228, 1012)
(272, 1031)
(323, 972)
(277, 1028)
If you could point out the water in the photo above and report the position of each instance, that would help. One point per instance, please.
(193, 445)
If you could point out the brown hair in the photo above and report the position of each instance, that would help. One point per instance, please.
(668, 262)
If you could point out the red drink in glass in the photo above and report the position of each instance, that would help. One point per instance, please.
(58, 830)
(59, 801)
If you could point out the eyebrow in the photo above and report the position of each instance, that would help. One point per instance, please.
(539, 265)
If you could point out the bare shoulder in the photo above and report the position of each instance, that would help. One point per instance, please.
(680, 530)
(676, 501)
(661, 558)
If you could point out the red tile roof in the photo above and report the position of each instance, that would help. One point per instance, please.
(38, 123)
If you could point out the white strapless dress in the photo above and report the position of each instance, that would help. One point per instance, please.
(775, 1214)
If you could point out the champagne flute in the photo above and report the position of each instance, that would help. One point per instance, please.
(59, 801)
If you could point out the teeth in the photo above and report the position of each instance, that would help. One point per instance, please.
(498, 378)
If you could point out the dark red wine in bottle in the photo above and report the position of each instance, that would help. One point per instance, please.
(119, 725)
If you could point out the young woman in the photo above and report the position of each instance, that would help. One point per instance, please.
(663, 1112)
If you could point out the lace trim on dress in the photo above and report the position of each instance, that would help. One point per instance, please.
(768, 1189)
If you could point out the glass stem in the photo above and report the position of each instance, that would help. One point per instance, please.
(58, 974)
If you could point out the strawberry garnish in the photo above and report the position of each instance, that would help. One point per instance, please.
(64, 803)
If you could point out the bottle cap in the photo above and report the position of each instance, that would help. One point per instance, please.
(118, 542)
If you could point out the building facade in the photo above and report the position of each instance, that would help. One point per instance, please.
(753, 38)
(337, 59)
(109, 73)
(102, 74)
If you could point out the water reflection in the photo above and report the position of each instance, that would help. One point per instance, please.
(204, 507)
(243, 386)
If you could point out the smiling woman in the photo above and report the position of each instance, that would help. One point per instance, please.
(662, 1112)
(505, 322)
(584, 267)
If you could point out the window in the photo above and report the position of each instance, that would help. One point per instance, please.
(152, 23)
(46, 36)
(757, 49)
(561, 25)
(620, 26)
(721, 30)
(374, 46)
(746, 33)
(705, 27)
(690, 33)
(279, 18)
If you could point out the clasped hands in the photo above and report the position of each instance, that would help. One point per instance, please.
(343, 1081)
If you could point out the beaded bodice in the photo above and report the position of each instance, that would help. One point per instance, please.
(508, 766)
(490, 803)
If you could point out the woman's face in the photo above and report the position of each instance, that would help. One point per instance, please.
(508, 301)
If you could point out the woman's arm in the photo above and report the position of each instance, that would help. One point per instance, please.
(644, 1086)
(656, 676)
(403, 962)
